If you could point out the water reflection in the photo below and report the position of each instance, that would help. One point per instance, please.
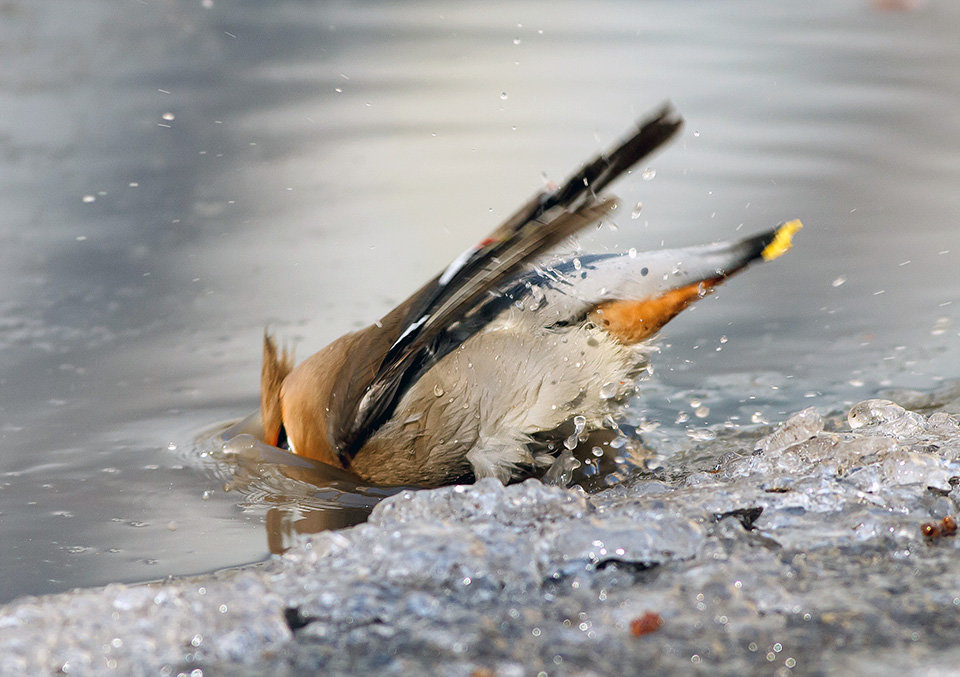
(301, 496)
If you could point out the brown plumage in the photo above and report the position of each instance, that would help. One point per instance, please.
(275, 367)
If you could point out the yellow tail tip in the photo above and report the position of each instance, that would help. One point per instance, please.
(782, 240)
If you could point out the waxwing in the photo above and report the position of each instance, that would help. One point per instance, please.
(469, 375)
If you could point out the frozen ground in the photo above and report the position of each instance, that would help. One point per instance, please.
(800, 551)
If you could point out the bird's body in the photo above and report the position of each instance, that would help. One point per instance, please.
(452, 422)
(458, 379)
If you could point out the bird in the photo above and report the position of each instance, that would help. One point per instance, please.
(503, 348)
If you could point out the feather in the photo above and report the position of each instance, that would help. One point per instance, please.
(450, 308)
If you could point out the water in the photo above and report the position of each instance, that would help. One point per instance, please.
(306, 166)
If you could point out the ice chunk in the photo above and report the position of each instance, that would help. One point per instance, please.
(886, 417)
(908, 467)
(796, 429)
(651, 539)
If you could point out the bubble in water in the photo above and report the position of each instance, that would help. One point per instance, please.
(89, 198)
(632, 252)
(597, 451)
(648, 174)
(577, 265)
(608, 390)
(702, 411)
(169, 117)
(517, 41)
(838, 282)
(503, 96)
(438, 390)
(637, 209)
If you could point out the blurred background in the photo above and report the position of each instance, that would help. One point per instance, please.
(177, 174)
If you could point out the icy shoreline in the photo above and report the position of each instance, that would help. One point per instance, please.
(801, 552)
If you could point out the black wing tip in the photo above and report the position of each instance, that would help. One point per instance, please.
(666, 115)
(651, 132)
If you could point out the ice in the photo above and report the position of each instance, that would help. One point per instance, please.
(798, 549)
(886, 417)
(798, 428)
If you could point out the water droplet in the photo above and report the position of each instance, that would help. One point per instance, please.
(597, 451)
(438, 390)
(503, 96)
(637, 209)
(577, 265)
(838, 282)
(648, 174)
(702, 412)
(696, 133)
(579, 423)
(608, 390)
(169, 117)
(516, 41)
(206, 495)
(89, 198)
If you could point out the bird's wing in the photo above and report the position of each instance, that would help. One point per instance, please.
(429, 324)
(565, 291)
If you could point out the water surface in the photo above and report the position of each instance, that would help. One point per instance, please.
(175, 175)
